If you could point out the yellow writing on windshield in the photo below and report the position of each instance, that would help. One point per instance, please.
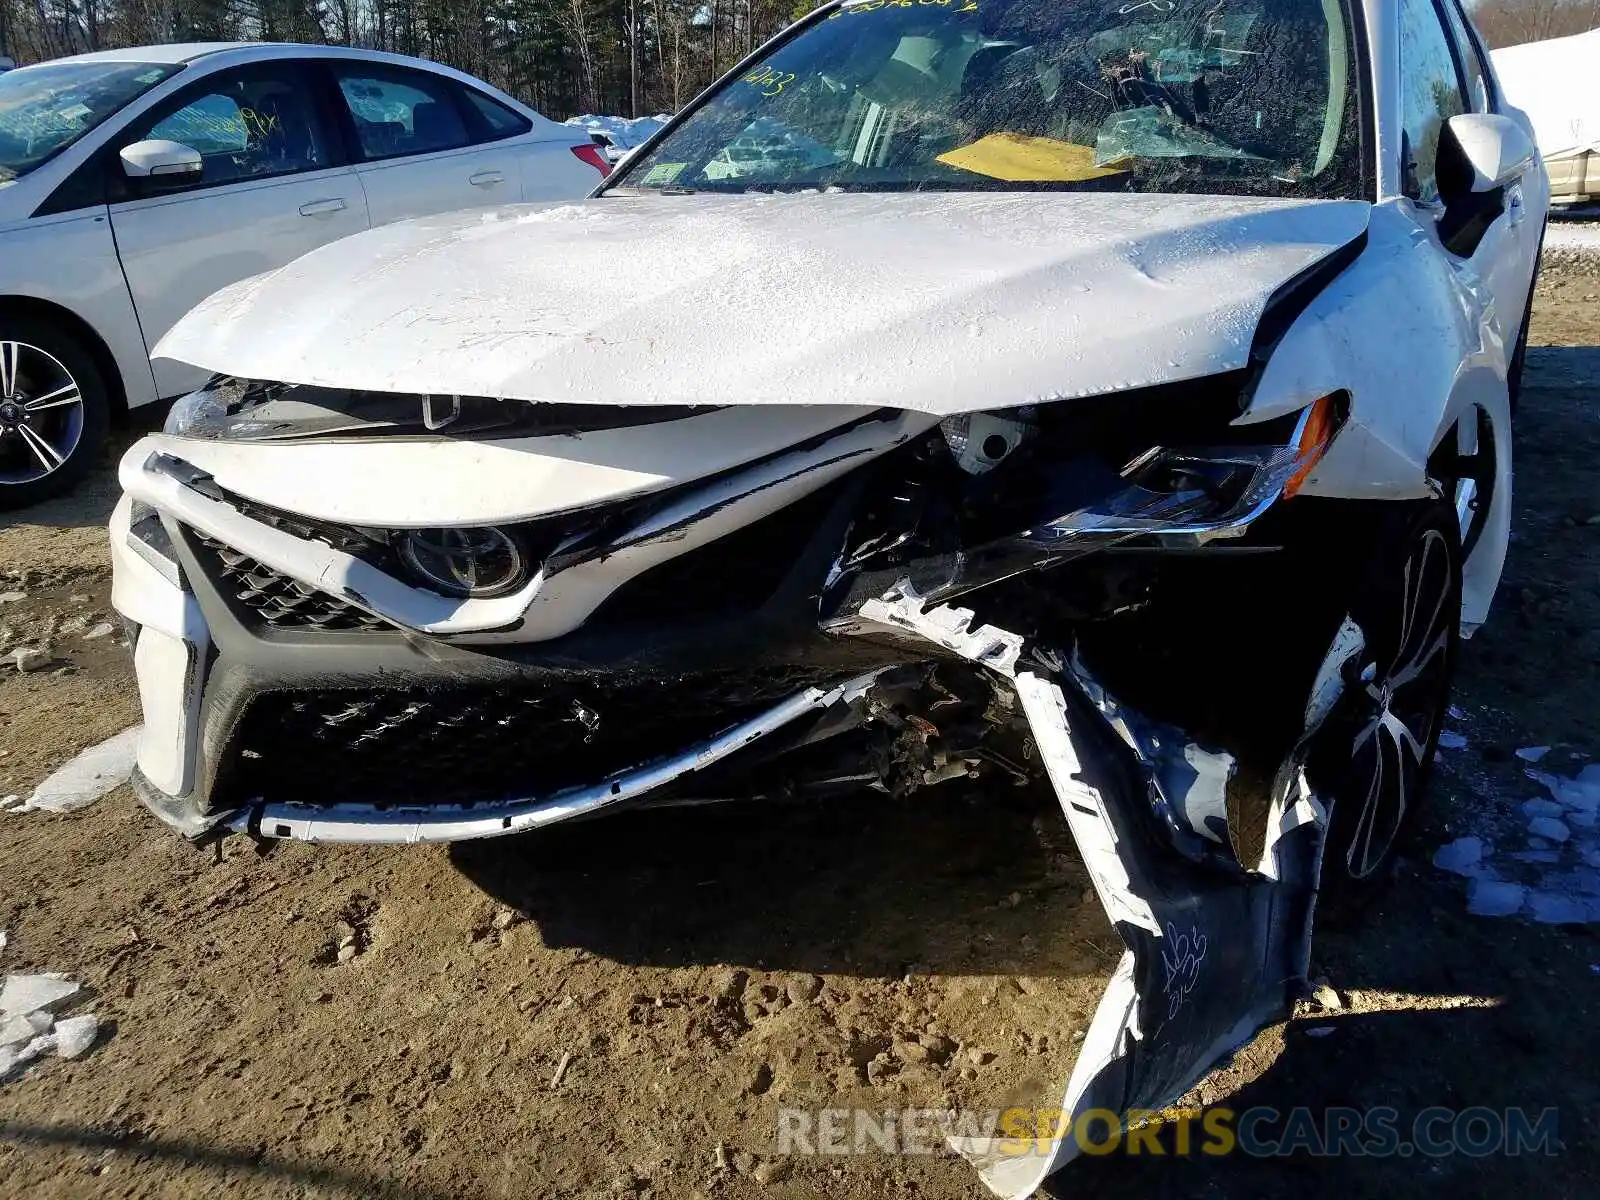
(867, 6)
(1019, 158)
(769, 81)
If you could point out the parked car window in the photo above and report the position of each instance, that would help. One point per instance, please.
(45, 109)
(1253, 97)
(247, 125)
(1471, 61)
(499, 120)
(212, 125)
(1430, 94)
(398, 112)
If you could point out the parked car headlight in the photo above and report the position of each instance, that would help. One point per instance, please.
(221, 409)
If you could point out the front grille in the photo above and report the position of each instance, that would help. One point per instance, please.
(459, 745)
(280, 601)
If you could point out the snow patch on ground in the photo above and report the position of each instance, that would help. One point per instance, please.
(1582, 236)
(1540, 859)
(85, 778)
(29, 1027)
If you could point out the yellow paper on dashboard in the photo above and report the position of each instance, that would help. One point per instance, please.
(1019, 158)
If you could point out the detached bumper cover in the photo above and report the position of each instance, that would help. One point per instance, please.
(385, 824)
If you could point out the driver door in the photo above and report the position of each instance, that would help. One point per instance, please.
(274, 186)
(1434, 86)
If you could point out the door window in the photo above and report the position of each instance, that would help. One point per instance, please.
(1430, 94)
(247, 125)
(1478, 88)
(498, 120)
(400, 112)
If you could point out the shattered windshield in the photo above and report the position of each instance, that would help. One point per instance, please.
(43, 110)
(1221, 96)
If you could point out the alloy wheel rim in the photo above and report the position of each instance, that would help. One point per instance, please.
(1402, 691)
(41, 413)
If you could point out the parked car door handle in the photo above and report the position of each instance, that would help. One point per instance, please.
(322, 208)
(487, 178)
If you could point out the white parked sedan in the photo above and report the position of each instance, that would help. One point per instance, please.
(1111, 398)
(134, 183)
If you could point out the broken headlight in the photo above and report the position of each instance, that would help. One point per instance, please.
(1214, 491)
(1062, 480)
(980, 442)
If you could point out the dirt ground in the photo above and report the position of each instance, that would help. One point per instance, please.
(619, 1008)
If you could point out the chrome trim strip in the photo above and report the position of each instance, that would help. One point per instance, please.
(371, 825)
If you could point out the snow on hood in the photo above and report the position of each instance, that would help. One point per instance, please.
(1553, 82)
(941, 303)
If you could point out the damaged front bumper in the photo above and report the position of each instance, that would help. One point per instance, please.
(288, 695)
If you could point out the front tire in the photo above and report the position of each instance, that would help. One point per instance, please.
(1373, 756)
(55, 412)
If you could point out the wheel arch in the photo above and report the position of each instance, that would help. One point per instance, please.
(1481, 387)
(87, 336)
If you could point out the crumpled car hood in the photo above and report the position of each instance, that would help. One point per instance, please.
(937, 302)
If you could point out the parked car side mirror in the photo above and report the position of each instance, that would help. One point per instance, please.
(1480, 156)
(161, 160)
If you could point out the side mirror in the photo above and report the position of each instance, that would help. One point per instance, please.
(1480, 156)
(1494, 150)
(159, 159)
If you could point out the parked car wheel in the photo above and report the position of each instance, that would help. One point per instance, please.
(54, 412)
(1376, 751)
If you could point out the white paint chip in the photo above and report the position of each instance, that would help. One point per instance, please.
(1449, 739)
(1532, 753)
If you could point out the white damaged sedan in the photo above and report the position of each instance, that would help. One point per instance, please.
(1113, 397)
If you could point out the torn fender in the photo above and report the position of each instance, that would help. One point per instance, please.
(1214, 946)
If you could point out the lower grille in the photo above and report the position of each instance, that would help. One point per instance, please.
(458, 745)
(282, 602)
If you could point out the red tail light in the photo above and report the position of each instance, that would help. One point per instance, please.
(590, 153)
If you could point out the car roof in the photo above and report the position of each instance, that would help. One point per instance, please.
(230, 53)
(179, 52)
(187, 52)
